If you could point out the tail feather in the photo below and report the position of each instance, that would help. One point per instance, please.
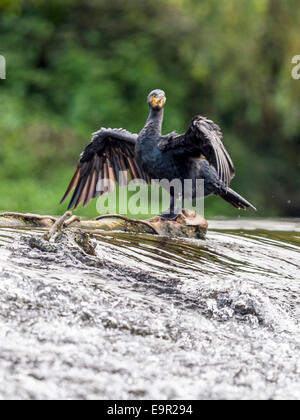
(236, 200)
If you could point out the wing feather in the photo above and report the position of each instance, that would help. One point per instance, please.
(92, 188)
(72, 185)
(110, 152)
(203, 137)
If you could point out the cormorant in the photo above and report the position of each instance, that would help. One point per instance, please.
(197, 154)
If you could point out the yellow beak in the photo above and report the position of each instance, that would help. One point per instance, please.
(158, 101)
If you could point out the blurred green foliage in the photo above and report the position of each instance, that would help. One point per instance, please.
(74, 66)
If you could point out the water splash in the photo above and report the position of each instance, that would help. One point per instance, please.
(150, 317)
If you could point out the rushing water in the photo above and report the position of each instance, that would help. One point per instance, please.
(151, 317)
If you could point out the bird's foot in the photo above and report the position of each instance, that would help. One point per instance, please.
(167, 215)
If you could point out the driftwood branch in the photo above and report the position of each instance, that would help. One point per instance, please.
(72, 219)
(28, 216)
(187, 225)
(127, 219)
(58, 225)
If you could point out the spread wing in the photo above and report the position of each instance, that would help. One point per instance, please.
(110, 157)
(203, 137)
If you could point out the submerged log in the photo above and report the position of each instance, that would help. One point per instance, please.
(187, 225)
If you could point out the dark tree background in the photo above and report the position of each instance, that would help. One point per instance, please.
(73, 66)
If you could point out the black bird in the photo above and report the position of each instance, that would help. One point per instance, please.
(197, 154)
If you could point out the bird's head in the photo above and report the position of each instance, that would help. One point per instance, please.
(157, 99)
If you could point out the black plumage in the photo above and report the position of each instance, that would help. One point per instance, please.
(197, 154)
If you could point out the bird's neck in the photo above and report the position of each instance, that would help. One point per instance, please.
(154, 122)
